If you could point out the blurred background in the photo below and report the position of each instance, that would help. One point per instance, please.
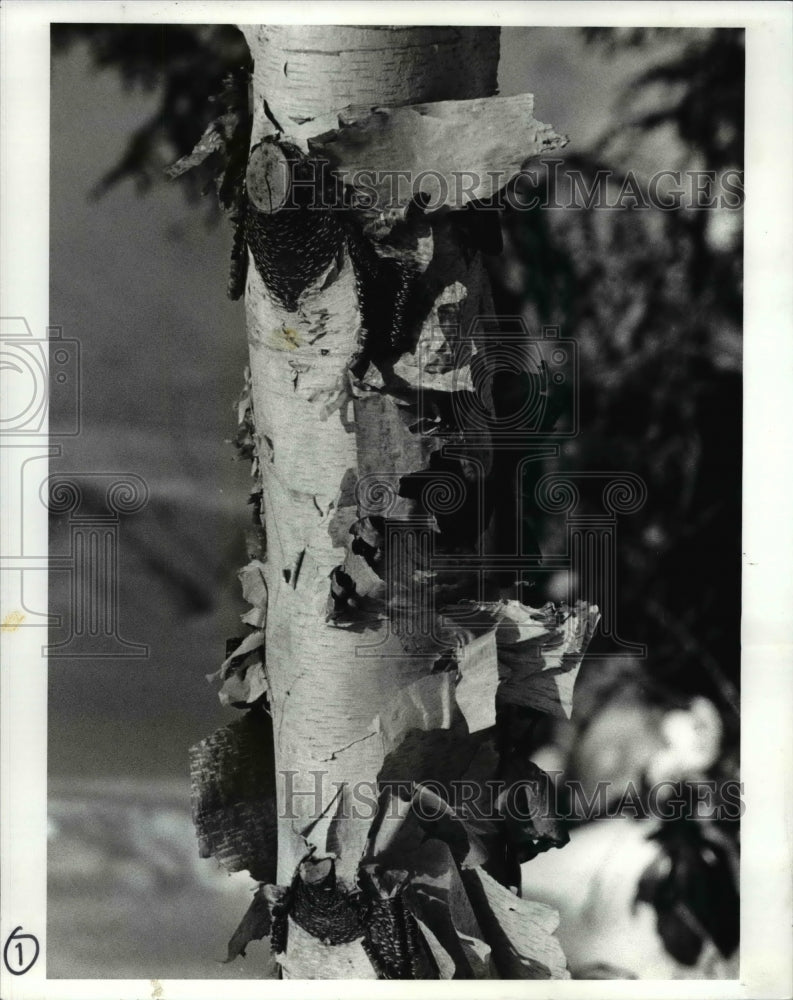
(138, 275)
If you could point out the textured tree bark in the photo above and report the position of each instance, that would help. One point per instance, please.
(365, 475)
(324, 696)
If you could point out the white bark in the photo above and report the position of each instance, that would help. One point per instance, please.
(327, 459)
(324, 696)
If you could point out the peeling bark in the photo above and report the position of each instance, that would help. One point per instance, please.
(325, 696)
(458, 151)
(372, 461)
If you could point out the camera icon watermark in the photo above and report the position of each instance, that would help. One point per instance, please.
(41, 378)
(41, 402)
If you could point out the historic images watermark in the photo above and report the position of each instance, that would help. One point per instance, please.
(550, 187)
(526, 800)
(43, 376)
(550, 184)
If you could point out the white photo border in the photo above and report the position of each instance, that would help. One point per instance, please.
(767, 743)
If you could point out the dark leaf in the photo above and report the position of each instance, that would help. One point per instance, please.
(691, 885)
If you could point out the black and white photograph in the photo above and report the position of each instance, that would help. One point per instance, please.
(396, 549)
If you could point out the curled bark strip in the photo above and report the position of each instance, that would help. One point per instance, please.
(539, 650)
(436, 896)
(254, 591)
(257, 922)
(403, 826)
(427, 703)
(243, 672)
(542, 676)
(521, 933)
(476, 690)
(451, 153)
(232, 796)
(528, 807)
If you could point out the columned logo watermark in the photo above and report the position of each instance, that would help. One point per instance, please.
(42, 407)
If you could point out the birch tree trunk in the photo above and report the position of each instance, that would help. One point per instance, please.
(369, 470)
(325, 697)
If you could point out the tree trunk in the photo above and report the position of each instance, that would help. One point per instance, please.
(365, 329)
(324, 696)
